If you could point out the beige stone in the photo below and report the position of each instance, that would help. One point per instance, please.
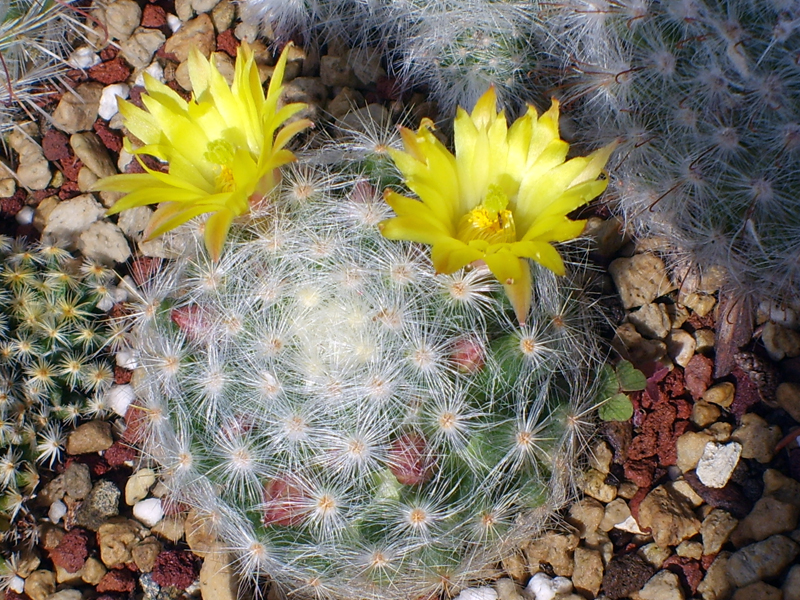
(616, 512)
(791, 585)
(585, 515)
(681, 346)
(762, 560)
(757, 437)
(705, 340)
(594, 485)
(170, 527)
(780, 486)
(217, 578)
(116, 539)
(690, 447)
(716, 585)
(144, 553)
(669, 515)
(93, 436)
(555, 549)
(704, 413)
(758, 591)
(720, 394)
(40, 584)
(768, 517)
(689, 549)
(716, 529)
(197, 33)
(788, 397)
(588, 573)
(655, 554)
(93, 571)
(199, 533)
(640, 279)
(664, 585)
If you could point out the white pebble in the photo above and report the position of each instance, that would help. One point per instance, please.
(542, 587)
(124, 160)
(119, 397)
(149, 511)
(154, 70)
(478, 593)
(108, 99)
(17, 584)
(25, 215)
(174, 22)
(126, 359)
(717, 463)
(83, 58)
(630, 525)
(57, 510)
(120, 292)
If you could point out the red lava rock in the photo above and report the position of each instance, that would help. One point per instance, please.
(674, 384)
(39, 195)
(122, 375)
(97, 464)
(746, 394)
(227, 42)
(697, 322)
(688, 571)
(111, 139)
(55, 145)
(143, 268)
(643, 445)
(684, 408)
(706, 560)
(115, 70)
(641, 472)
(108, 53)
(175, 568)
(136, 422)
(176, 87)
(637, 499)
(72, 551)
(69, 189)
(12, 595)
(70, 166)
(11, 205)
(153, 16)
(135, 96)
(118, 454)
(150, 162)
(117, 580)
(697, 375)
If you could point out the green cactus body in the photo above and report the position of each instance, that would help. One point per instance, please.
(706, 95)
(52, 371)
(352, 424)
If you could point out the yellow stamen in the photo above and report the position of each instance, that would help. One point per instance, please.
(490, 221)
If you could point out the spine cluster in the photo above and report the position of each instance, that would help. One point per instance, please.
(352, 423)
(705, 96)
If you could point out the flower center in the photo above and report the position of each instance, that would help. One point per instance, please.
(490, 221)
(221, 152)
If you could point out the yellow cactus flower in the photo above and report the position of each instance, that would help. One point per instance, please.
(223, 147)
(502, 198)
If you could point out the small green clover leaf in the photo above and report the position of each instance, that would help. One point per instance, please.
(616, 405)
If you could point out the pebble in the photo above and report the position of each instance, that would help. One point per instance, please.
(630, 343)
(762, 560)
(33, 170)
(788, 398)
(174, 23)
(586, 515)
(77, 110)
(479, 593)
(56, 511)
(365, 118)
(7, 187)
(223, 15)
(780, 486)
(791, 586)
(121, 18)
(66, 595)
(701, 304)
(83, 58)
(757, 437)
(119, 397)
(664, 585)
(149, 511)
(555, 549)
(780, 341)
(716, 585)
(669, 515)
(93, 436)
(199, 534)
(758, 591)
(690, 447)
(716, 529)
(156, 71)
(651, 320)
(202, 6)
(77, 481)
(104, 242)
(681, 346)
(704, 413)
(587, 576)
(625, 575)
(640, 279)
(689, 549)
(116, 540)
(93, 571)
(170, 527)
(93, 154)
(197, 33)
(145, 553)
(39, 585)
(705, 339)
(594, 485)
(720, 394)
(25, 215)
(544, 587)
(101, 503)
(769, 516)
(138, 485)
(108, 99)
(308, 90)
(507, 589)
(716, 465)
(139, 49)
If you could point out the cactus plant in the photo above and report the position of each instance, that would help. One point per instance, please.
(33, 42)
(351, 423)
(705, 95)
(52, 371)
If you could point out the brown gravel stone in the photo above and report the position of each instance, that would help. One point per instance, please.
(119, 454)
(111, 139)
(9, 207)
(55, 145)
(729, 498)
(688, 571)
(227, 42)
(122, 375)
(697, 375)
(626, 574)
(669, 516)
